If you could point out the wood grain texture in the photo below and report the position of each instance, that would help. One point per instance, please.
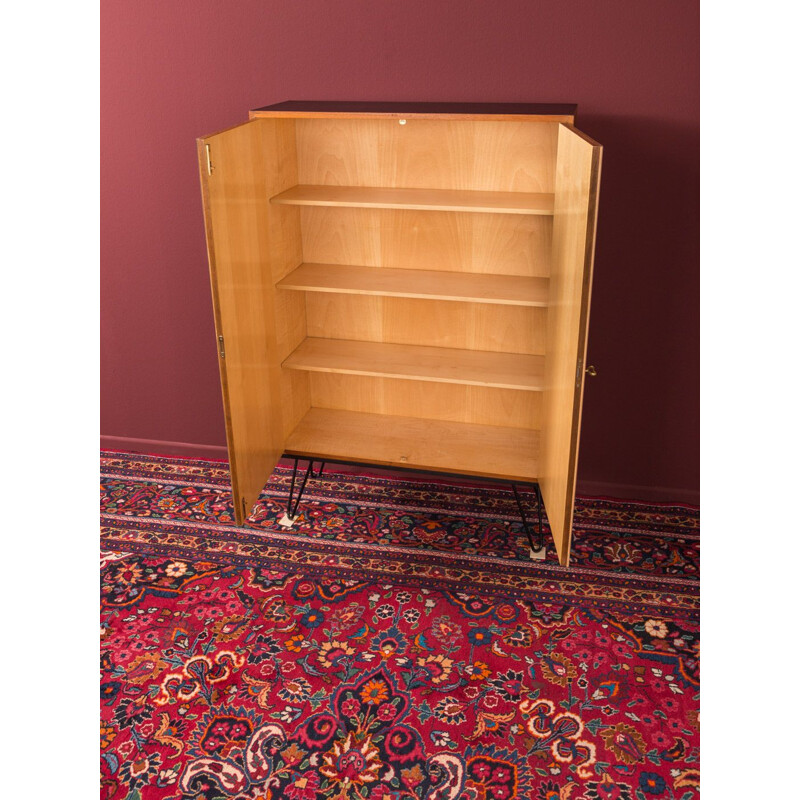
(438, 323)
(577, 188)
(290, 317)
(290, 327)
(435, 364)
(295, 398)
(428, 154)
(505, 244)
(511, 290)
(446, 401)
(418, 199)
(413, 295)
(417, 443)
(546, 112)
(248, 242)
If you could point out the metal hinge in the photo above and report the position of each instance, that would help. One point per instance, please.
(244, 511)
(209, 165)
(221, 346)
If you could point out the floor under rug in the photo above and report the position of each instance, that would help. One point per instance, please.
(397, 643)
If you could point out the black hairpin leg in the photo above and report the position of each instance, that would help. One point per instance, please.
(538, 546)
(291, 510)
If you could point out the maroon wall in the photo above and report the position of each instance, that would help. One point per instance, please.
(172, 71)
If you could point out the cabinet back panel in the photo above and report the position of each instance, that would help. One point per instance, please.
(428, 154)
(438, 323)
(456, 403)
(452, 241)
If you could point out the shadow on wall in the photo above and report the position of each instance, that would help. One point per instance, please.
(641, 414)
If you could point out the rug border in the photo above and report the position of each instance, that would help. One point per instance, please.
(586, 490)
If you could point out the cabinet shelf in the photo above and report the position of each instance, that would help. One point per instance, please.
(489, 450)
(413, 362)
(418, 199)
(512, 290)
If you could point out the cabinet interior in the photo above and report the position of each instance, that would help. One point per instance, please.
(410, 304)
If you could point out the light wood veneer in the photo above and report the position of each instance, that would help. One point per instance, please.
(418, 199)
(511, 290)
(404, 285)
(489, 450)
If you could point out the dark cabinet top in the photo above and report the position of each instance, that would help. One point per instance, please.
(555, 112)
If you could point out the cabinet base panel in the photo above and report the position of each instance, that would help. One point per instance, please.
(459, 448)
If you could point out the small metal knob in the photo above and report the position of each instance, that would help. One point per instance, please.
(590, 370)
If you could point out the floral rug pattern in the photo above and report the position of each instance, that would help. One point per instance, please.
(392, 646)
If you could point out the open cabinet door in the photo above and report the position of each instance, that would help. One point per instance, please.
(240, 169)
(575, 216)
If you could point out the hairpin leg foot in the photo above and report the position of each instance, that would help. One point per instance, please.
(293, 503)
(537, 549)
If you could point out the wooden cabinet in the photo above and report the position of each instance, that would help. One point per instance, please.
(404, 285)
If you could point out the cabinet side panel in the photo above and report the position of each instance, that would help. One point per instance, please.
(576, 193)
(249, 243)
(290, 315)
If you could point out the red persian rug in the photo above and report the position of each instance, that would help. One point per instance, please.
(396, 644)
